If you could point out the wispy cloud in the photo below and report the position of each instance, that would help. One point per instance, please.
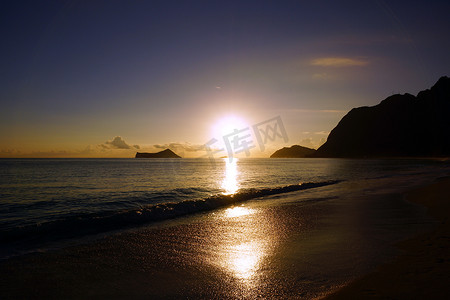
(322, 132)
(334, 111)
(312, 143)
(9, 151)
(112, 148)
(338, 62)
(308, 142)
(322, 76)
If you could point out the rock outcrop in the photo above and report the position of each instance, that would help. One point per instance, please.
(295, 151)
(400, 126)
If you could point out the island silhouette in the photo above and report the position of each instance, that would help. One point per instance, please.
(294, 151)
(162, 154)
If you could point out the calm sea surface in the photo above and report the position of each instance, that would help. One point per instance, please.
(43, 200)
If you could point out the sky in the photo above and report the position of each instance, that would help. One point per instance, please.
(109, 78)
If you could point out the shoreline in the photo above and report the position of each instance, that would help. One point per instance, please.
(300, 245)
(421, 270)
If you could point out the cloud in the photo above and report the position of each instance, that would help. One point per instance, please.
(118, 143)
(113, 148)
(321, 142)
(9, 151)
(312, 143)
(338, 62)
(322, 76)
(322, 132)
(335, 111)
(307, 143)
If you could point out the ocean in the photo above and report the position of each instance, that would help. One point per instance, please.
(44, 201)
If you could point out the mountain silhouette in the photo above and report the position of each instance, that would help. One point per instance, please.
(400, 126)
(295, 151)
(162, 154)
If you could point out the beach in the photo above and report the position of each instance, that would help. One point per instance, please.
(299, 245)
(421, 270)
(224, 150)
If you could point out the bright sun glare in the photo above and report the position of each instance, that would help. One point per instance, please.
(226, 125)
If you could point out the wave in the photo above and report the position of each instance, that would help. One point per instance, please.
(80, 225)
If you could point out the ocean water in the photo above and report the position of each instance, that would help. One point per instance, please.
(46, 200)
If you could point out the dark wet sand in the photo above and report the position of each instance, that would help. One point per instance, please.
(294, 246)
(422, 271)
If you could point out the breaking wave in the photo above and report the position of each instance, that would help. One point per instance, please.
(79, 225)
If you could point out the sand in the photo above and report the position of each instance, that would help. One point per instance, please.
(294, 246)
(422, 271)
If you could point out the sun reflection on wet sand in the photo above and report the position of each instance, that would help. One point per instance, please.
(243, 259)
(230, 183)
(237, 211)
(245, 238)
(244, 244)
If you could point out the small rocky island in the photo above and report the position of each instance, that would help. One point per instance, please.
(162, 154)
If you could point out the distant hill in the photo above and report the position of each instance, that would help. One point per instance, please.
(295, 151)
(400, 126)
(163, 154)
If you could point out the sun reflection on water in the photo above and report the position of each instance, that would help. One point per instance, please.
(230, 183)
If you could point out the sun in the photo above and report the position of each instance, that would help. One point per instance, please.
(227, 125)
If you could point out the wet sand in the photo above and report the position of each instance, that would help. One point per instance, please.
(422, 271)
(299, 245)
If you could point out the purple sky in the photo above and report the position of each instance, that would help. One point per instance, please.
(75, 74)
